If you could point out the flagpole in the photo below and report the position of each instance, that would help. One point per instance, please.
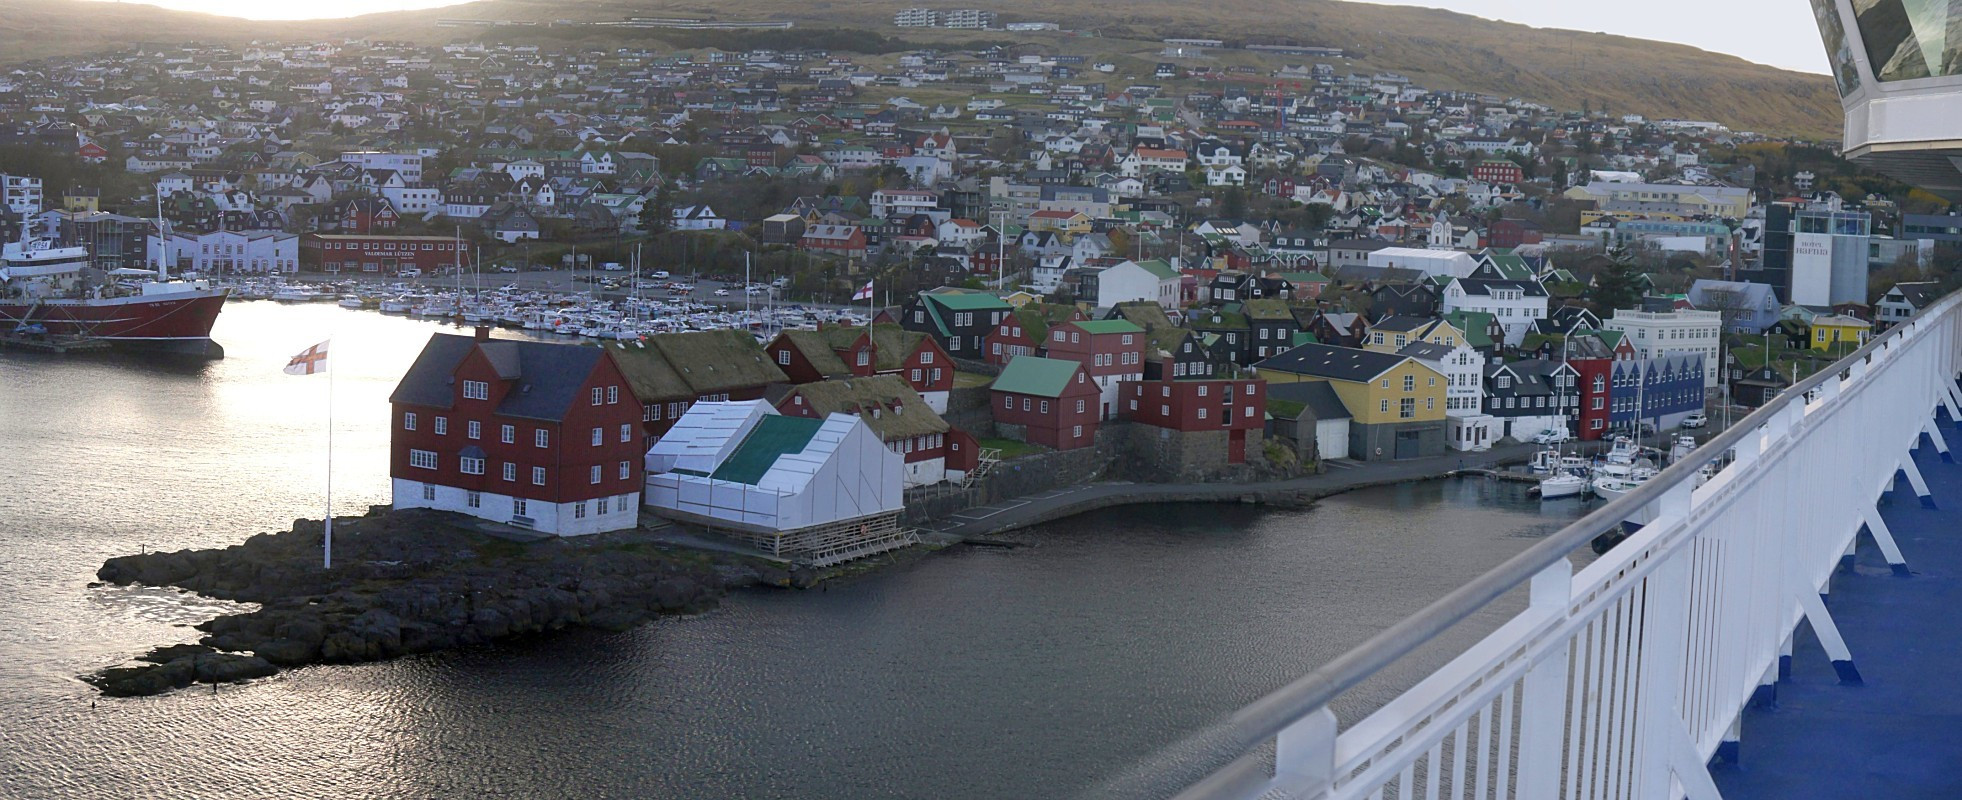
(327, 551)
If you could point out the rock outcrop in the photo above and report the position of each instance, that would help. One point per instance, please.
(411, 582)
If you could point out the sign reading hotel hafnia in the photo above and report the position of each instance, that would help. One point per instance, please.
(1807, 246)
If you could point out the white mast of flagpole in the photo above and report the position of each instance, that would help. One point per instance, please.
(327, 549)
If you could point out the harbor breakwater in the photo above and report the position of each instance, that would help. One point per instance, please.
(412, 582)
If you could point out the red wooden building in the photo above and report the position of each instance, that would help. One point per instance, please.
(895, 412)
(380, 253)
(1495, 171)
(537, 435)
(672, 371)
(838, 240)
(1025, 331)
(1194, 405)
(1051, 401)
(886, 349)
(1110, 350)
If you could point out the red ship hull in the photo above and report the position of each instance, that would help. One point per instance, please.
(179, 322)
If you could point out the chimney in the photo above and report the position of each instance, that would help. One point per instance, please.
(483, 333)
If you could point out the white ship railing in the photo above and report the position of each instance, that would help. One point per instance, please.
(1622, 679)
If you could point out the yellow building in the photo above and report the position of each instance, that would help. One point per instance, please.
(1395, 402)
(1069, 223)
(81, 201)
(1835, 331)
(1392, 334)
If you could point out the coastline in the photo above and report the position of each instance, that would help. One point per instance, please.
(980, 523)
(420, 581)
(415, 581)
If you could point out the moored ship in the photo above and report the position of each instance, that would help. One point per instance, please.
(58, 292)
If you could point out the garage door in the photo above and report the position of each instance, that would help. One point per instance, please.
(1408, 444)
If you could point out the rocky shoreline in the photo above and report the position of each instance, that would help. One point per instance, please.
(412, 582)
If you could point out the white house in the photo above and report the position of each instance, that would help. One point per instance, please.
(1514, 304)
(1129, 281)
(698, 218)
(1660, 333)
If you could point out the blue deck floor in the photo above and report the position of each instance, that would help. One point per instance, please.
(1900, 734)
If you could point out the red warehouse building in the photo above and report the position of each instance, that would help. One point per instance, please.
(885, 349)
(670, 372)
(1022, 333)
(1110, 350)
(1235, 406)
(1051, 401)
(541, 436)
(381, 254)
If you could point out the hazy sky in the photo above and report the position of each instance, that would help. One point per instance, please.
(1775, 32)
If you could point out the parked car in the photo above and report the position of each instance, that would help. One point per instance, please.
(1550, 436)
(1696, 419)
(507, 268)
(661, 274)
(409, 272)
(722, 293)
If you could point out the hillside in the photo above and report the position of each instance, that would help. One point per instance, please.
(1440, 49)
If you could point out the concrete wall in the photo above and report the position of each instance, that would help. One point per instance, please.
(1161, 455)
(971, 409)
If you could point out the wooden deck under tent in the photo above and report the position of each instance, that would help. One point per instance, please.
(822, 545)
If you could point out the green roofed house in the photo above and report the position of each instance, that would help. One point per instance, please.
(1046, 401)
(1482, 330)
(960, 322)
(814, 490)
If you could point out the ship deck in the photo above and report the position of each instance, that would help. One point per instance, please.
(1899, 735)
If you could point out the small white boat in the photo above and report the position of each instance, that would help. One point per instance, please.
(1565, 484)
(350, 301)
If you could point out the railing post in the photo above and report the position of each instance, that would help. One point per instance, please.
(1667, 751)
(1543, 694)
(1913, 474)
(1934, 433)
(1304, 754)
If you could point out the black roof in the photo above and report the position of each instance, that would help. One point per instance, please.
(1485, 286)
(1339, 363)
(1920, 293)
(546, 376)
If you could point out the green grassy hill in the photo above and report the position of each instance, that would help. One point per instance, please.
(1439, 49)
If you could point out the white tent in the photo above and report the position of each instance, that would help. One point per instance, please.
(742, 463)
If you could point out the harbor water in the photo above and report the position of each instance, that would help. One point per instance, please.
(1048, 670)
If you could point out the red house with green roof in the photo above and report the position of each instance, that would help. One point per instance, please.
(1110, 351)
(1048, 401)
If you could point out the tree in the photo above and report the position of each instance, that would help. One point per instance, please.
(1233, 204)
(1617, 285)
(657, 213)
